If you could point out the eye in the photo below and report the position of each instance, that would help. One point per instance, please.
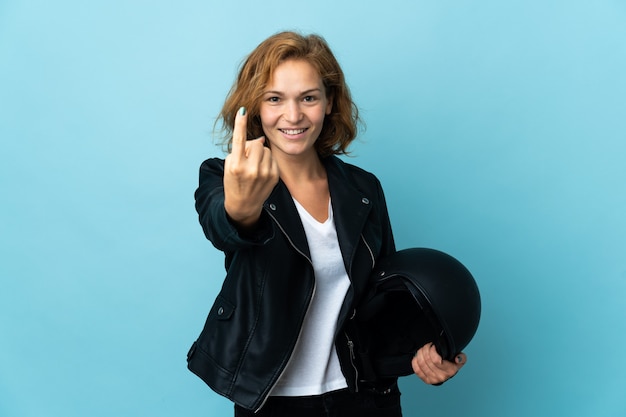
(309, 99)
(273, 99)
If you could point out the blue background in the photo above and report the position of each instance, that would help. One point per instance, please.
(498, 129)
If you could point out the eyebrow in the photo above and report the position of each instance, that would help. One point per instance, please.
(309, 91)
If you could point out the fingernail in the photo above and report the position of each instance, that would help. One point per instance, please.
(242, 111)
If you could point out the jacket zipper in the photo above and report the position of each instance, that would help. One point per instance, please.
(352, 359)
(307, 309)
(349, 341)
(369, 249)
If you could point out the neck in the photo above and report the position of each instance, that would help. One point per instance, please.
(301, 169)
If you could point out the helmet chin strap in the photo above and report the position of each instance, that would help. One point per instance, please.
(401, 313)
(441, 341)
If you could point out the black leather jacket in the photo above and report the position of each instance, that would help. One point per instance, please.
(253, 326)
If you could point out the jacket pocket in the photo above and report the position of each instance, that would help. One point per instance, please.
(222, 338)
(222, 308)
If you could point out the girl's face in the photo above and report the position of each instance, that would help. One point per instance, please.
(293, 108)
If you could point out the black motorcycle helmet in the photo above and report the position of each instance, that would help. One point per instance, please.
(416, 296)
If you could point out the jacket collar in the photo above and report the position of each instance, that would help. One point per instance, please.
(351, 207)
(282, 210)
(350, 210)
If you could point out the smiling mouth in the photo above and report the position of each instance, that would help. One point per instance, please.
(292, 131)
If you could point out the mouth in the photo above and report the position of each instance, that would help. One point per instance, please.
(293, 131)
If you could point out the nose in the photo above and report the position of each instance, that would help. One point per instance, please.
(293, 112)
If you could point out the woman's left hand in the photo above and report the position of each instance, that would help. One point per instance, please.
(432, 369)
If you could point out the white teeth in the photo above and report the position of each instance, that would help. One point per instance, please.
(293, 131)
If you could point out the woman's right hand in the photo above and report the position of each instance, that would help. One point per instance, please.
(250, 175)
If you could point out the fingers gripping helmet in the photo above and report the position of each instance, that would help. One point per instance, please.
(417, 296)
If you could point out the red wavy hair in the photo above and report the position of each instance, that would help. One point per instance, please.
(340, 126)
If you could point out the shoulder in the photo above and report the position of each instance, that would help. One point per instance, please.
(210, 168)
(346, 168)
(212, 164)
(361, 177)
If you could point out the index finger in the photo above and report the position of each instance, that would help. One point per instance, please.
(239, 133)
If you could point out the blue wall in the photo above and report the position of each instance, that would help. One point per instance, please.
(497, 128)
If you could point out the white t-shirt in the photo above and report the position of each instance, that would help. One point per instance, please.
(314, 367)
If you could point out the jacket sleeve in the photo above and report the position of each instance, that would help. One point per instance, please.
(215, 222)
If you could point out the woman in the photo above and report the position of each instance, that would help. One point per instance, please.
(301, 231)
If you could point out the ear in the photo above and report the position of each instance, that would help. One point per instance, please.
(329, 105)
